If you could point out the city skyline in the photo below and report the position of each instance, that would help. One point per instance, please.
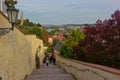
(67, 11)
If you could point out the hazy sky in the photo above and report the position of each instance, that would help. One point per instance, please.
(67, 11)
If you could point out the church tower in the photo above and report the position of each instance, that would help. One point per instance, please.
(21, 18)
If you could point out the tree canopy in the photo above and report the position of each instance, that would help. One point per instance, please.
(101, 44)
(72, 40)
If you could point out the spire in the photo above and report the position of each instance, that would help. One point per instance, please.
(21, 18)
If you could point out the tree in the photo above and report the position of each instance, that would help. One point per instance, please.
(36, 31)
(49, 49)
(55, 41)
(26, 22)
(102, 42)
(73, 38)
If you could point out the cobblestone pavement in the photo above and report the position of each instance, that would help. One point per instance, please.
(50, 72)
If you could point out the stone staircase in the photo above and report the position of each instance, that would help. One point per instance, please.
(50, 72)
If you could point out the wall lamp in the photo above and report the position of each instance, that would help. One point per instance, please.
(12, 13)
(39, 47)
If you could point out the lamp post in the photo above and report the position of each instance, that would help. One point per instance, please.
(12, 13)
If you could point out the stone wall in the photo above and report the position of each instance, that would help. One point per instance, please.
(4, 21)
(36, 43)
(17, 50)
(86, 71)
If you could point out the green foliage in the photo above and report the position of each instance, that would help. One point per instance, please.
(55, 41)
(36, 31)
(73, 38)
(28, 23)
(66, 35)
(31, 30)
(76, 35)
(18, 22)
(44, 36)
(49, 49)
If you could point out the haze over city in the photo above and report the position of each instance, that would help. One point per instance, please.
(59, 12)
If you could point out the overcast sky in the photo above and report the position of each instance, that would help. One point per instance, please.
(67, 11)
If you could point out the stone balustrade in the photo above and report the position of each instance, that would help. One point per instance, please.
(86, 71)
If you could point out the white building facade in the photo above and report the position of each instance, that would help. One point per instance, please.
(3, 7)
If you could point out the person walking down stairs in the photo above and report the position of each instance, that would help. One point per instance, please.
(47, 60)
(53, 58)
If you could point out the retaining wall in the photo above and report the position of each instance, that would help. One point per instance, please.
(17, 52)
(86, 71)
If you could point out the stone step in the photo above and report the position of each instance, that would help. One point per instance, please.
(50, 66)
(49, 71)
(51, 77)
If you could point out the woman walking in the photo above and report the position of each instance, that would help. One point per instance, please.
(53, 58)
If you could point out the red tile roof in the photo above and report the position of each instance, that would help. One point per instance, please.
(60, 37)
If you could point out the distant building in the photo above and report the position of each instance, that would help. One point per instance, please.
(50, 40)
(59, 37)
(3, 7)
